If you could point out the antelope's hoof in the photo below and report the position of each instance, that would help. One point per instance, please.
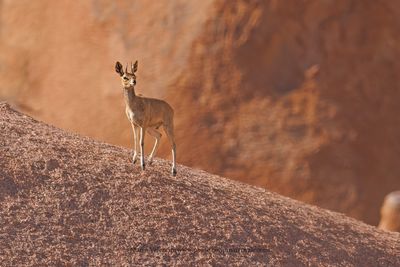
(134, 158)
(150, 161)
(174, 172)
(143, 167)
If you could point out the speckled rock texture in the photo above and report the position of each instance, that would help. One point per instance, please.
(68, 200)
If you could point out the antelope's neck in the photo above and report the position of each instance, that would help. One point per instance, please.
(129, 96)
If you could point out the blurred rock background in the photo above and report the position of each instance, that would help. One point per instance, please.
(300, 97)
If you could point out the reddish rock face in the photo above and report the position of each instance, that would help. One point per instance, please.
(260, 108)
(239, 74)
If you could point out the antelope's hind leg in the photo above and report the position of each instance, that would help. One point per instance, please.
(170, 134)
(142, 134)
(135, 141)
(157, 135)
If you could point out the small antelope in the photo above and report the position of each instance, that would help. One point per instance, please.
(146, 114)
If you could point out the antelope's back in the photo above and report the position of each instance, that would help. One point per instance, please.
(159, 110)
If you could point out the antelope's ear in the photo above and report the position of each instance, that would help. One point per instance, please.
(118, 68)
(135, 66)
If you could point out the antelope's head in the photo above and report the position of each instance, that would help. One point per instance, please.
(128, 78)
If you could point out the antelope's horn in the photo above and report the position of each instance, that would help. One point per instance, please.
(126, 68)
(132, 67)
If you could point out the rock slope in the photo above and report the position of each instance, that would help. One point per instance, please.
(68, 200)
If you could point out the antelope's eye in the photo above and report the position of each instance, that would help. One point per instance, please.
(126, 78)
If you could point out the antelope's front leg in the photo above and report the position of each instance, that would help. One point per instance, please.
(142, 133)
(135, 141)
